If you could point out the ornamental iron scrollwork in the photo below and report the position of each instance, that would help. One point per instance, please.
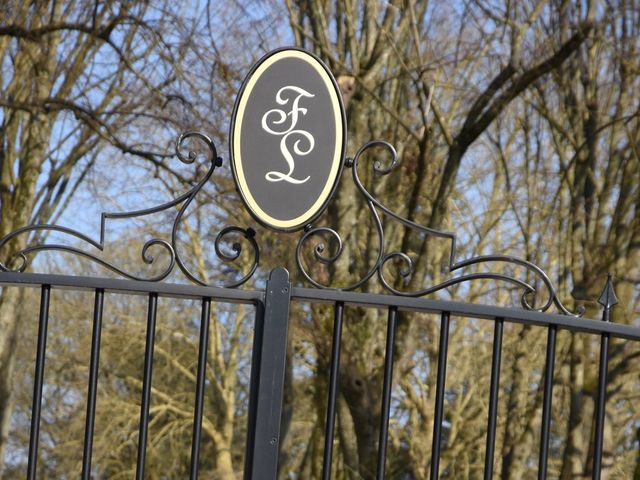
(325, 235)
(20, 260)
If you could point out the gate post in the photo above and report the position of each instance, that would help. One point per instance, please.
(267, 379)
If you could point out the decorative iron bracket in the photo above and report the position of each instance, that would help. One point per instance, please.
(20, 260)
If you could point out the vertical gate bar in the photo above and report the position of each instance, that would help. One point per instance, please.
(546, 402)
(607, 299)
(265, 404)
(203, 347)
(440, 383)
(493, 398)
(94, 364)
(386, 391)
(600, 405)
(333, 391)
(253, 388)
(146, 385)
(38, 379)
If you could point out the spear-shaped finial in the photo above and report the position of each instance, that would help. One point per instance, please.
(608, 297)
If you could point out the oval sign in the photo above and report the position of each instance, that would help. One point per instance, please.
(287, 139)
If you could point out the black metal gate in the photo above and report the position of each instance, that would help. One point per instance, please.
(272, 307)
(268, 364)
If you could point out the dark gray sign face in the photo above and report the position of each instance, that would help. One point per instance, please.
(287, 139)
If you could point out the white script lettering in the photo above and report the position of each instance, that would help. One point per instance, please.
(278, 126)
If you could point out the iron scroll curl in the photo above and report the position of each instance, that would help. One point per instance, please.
(20, 260)
(324, 236)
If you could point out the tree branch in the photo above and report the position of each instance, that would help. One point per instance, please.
(476, 122)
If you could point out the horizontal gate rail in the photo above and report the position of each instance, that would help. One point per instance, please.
(370, 300)
(467, 310)
(130, 287)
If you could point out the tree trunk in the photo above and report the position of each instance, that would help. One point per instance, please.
(224, 464)
(9, 304)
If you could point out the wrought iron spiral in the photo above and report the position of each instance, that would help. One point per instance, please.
(384, 259)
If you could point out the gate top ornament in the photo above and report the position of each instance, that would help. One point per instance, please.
(287, 139)
(287, 146)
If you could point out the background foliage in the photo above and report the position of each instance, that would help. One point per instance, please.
(517, 126)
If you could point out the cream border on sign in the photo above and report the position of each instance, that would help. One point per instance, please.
(302, 219)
